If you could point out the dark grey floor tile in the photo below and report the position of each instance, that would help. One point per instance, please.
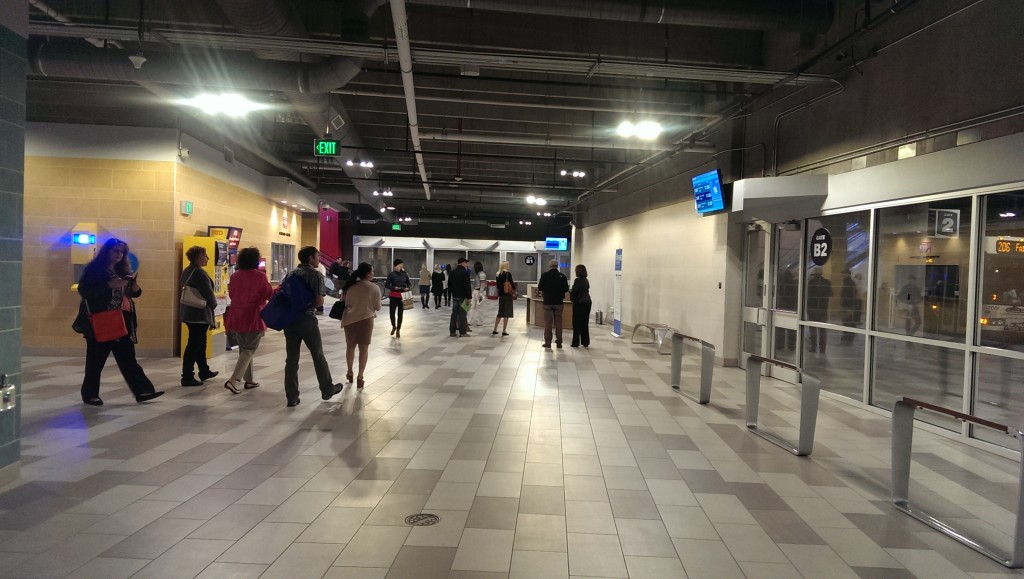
(472, 451)
(416, 482)
(163, 474)
(880, 573)
(422, 562)
(758, 496)
(414, 432)
(705, 481)
(383, 469)
(890, 531)
(786, 527)
(677, 442)
(485, 420)
(247, 477)
(493, 513)
(479, 434)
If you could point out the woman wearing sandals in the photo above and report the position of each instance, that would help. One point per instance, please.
(504, 299)
(249, 291)
(362, 301)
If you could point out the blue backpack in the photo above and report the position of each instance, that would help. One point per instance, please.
(290, 301)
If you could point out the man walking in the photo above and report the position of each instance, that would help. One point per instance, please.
(553, 285)
(462, 291)
(307, 330)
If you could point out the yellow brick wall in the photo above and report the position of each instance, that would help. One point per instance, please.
(130, 200)
(137, 201)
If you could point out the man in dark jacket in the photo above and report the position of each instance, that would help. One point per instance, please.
(553, 285)
(462, 291)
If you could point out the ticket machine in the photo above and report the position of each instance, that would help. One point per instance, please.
(83, 249)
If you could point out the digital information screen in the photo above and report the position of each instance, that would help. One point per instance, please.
(707, 192)
(556, 243)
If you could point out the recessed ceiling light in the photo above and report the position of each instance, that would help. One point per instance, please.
(230, 104)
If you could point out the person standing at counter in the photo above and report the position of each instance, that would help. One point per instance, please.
(581, 303)
(461, 290)
(197, 320)
(108, 284)
(552, 286)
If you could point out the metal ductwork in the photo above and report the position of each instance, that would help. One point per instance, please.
(790, 15)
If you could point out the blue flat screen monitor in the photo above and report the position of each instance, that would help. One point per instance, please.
(556, 243)
(707, 192)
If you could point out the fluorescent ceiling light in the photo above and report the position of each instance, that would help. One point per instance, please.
(646, 130)
(530, 198)
(230, 104)
(540, 201)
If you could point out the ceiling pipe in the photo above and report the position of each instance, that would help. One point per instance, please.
(519, 104)
(405, 62)
(563, 142)
(792, 15)
(47, 10)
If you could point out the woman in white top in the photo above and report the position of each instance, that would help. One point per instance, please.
(479, 282)
(362, 302)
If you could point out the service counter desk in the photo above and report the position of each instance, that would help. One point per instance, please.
(535, 308)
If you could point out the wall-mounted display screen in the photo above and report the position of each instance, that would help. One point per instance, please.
(707, 192)
(556, 243)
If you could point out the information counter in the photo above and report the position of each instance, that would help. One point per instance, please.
(535, 308)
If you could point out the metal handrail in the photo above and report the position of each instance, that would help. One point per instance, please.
(707, 365)
(902, 444)
(809, 395)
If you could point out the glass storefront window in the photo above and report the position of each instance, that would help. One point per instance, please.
(521, 271)
(413, 259)
(753, 291)
(446, 257)
(379, 258)
(923, 372)
(998, 396)
(840, 366)
(489, 259)
(834, 290)
(923, 253)
(787, 268)
(1001, 311)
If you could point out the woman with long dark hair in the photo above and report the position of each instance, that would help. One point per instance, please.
(197, 320)
(581, 304)
(108, 283)
(362, 301)
(397, 282)
(249, 291)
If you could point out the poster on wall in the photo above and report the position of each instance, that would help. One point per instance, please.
(617, 296)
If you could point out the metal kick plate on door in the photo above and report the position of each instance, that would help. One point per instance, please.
(7, 394)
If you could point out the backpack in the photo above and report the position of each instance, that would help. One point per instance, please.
(290, 301)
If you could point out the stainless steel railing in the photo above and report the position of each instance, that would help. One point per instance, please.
(809, 395)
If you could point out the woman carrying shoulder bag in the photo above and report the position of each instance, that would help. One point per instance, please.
(197, 319)
(107, 284)
(505, 297)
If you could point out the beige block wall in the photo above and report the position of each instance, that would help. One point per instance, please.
(130, 200)
(137, 201)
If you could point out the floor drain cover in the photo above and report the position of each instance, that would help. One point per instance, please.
(422, 520)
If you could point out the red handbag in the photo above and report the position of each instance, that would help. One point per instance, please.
(107, 326)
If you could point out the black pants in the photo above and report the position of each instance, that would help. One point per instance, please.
(425, 296)
(96, 354)
(458, 320)
(447, 297)
(305, 329)
(194, 356)
(437, 300)
(396, 319)
(581, 324)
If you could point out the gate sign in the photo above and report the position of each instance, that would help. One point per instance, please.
(530, 260)
(947, 222)
(821, 246)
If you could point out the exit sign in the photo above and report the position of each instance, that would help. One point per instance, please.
(396, 227)
(325, 148)
(186, 208)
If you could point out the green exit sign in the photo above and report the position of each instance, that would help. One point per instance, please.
(325, 148)
(396, 227)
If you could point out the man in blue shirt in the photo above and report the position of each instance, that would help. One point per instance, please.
(307, 330)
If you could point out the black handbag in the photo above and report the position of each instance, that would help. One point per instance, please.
(337, 310)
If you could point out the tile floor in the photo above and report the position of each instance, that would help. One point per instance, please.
(560, 463)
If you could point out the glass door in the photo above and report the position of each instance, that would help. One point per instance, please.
(784, 298)
(755, 312)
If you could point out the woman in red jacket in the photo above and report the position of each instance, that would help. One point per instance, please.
(249, 291)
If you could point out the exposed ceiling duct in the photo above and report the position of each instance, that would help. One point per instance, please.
(405, 61)
(563, 142)
(792, 15)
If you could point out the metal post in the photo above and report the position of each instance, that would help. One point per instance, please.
(707, 369)
(753, 390)
(677, 360)
(1017, 554)
(902, 442)
(809, 395)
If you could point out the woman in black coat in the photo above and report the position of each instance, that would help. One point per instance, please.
(198, 320)
(108, 284)
(581, 304)
(437, 285)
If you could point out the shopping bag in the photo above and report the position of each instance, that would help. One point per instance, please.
(407, 300)
(108, 326)
(466, 305)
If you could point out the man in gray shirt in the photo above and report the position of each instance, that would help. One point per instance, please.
(307, 330)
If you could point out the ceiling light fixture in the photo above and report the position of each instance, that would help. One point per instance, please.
(230, 104)
(644, 130)
(376, 193)
(1008, 214)
(564, 172)
(390, 208)
(540, 201)
(530, 198)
